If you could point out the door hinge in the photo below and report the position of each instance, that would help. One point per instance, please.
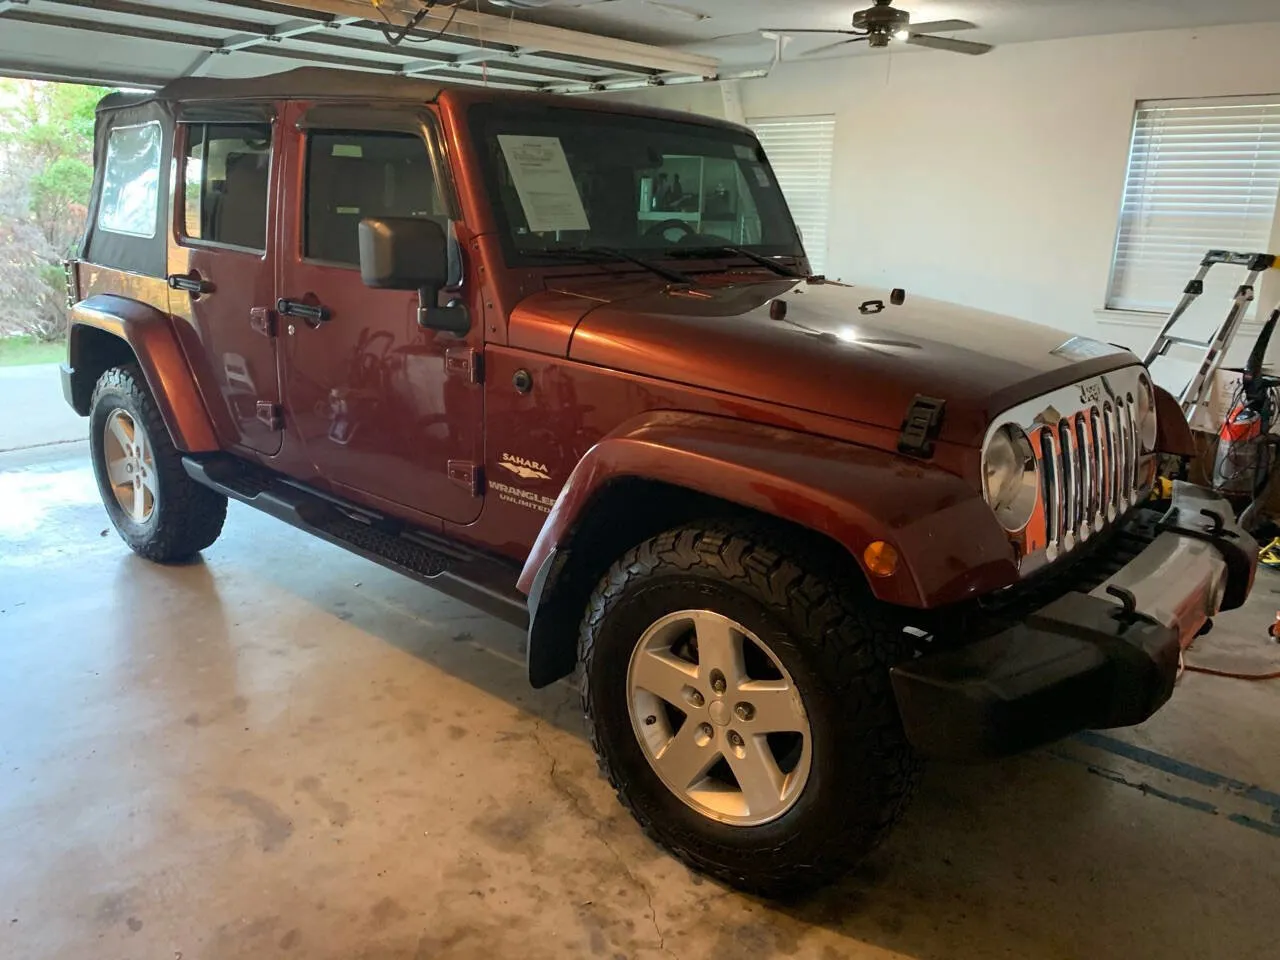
(464, 362)
(271, 414)
(468, 475)
(262, 320)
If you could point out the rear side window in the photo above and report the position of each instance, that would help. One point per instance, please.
(226, 176)
(131, 181)
(355, 175)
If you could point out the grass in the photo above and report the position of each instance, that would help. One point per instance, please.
(21, 351)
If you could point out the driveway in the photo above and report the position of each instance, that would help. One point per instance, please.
(32, 411)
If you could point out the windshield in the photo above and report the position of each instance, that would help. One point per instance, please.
(563, 178)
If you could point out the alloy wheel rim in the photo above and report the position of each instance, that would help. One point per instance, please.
(130, 462)
(719, 718)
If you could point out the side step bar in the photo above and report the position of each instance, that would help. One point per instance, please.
(481, 581)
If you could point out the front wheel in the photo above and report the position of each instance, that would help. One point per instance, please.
(157, 509)
(740, 705)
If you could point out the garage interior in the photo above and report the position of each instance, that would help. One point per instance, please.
(284, 750)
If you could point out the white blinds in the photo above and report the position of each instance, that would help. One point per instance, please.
(799, 150)
(1203, 174)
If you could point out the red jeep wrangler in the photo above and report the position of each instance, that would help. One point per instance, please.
(564, 359)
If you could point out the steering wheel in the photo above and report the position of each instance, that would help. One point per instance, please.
(660, 229)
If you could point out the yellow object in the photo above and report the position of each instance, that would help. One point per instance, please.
(1162, 490)
(1270, 554)
(881, 558)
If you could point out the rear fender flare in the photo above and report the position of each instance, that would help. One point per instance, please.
(150, 335)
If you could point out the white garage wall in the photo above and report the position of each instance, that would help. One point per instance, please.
(996, 181)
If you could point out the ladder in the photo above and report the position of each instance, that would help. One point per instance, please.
(1215, 348)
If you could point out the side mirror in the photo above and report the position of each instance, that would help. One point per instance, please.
(411, 253)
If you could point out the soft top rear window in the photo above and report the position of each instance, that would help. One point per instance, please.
(131, 181)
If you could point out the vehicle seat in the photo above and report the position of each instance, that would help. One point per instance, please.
(240, 216)
(345, 190)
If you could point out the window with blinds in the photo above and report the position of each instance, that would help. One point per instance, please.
(799, 150)
(1203, 174)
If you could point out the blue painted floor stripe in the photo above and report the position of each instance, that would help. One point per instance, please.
(1180, 768)
(1253, 824)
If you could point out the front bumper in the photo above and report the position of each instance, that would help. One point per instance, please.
(1108, 658)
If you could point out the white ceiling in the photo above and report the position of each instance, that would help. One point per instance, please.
(147, 42)
(735, 22)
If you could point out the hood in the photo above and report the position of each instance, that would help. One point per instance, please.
(832, 352)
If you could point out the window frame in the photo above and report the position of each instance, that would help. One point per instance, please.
(180, 186)
(1109, 311)
(342, 118)
(98, 224)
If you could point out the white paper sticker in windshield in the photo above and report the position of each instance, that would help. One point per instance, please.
(762, 175)
(542, 178)
(1085, 348)
(744, 152)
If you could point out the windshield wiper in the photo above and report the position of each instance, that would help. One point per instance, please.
(779, 268)
(596, 254)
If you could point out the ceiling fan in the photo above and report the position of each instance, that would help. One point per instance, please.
(883, 23)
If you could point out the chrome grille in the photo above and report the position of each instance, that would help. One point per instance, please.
(1089, 471)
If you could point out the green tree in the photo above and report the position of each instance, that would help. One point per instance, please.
(46, 174)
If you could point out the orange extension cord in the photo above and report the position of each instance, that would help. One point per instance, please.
(1232, 676)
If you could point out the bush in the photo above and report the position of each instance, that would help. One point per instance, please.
(46, 173)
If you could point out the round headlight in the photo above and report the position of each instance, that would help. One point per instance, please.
(1010, 477)
(1145, 415)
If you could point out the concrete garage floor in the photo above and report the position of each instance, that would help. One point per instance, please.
(283, 751)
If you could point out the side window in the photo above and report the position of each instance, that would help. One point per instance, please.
(352, 175)
(226, 175)
(131, 181)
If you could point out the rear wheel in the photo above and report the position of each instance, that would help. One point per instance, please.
(157, 509)
(740, 704)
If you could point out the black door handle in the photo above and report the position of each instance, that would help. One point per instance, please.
(313, 314)
(190, 282)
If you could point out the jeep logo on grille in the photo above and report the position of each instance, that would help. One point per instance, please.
(1090, 393)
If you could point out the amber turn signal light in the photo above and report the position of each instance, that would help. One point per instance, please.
(881, 558)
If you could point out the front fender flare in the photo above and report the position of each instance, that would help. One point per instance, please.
(949, 541)
(150, 335)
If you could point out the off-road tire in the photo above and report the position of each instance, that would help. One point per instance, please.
(837, 643)
(187, 517)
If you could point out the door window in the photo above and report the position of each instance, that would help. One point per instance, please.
(353, 175)
(227, 172)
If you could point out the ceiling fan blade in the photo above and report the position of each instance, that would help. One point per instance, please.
(954, 46)
(942, 26)
(831, 46)
(786, 31)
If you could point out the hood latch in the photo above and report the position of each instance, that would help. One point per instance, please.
(920, 428)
